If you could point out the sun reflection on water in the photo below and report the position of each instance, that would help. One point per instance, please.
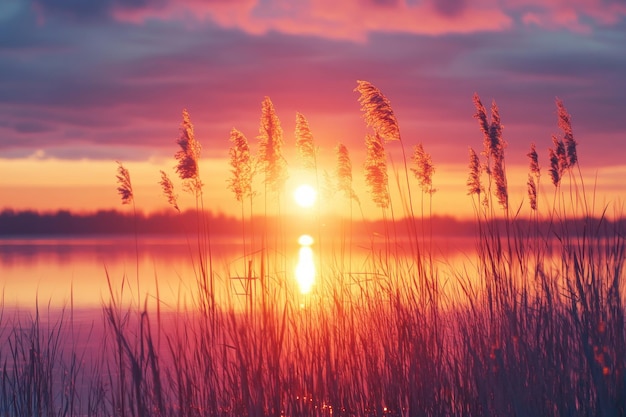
(305, 269)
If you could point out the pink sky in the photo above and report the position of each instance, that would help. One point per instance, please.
(83, 84)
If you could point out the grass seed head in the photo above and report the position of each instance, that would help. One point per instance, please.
(376, 170)
(304, 143)
(241, 166)
(168, 190)
(378, 112)
(125, 188)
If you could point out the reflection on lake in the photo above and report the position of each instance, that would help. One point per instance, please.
(61, 270)
(305, 269)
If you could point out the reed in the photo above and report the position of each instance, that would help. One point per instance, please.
(270, 147)
(343, 175)
(242, 174)
(305, 144)
(125, 189)
(167, 186)
(376, 175)
(531, 325)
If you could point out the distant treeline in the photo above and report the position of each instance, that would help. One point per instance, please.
(107, 222)
(114, 222)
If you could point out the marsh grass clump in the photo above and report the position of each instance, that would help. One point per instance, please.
(43, 369)
(532, 324)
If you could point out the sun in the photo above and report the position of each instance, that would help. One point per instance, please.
(305, 195)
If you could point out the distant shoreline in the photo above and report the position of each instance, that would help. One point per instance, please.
(112, 222)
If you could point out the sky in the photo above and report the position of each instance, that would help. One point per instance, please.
(84, 84)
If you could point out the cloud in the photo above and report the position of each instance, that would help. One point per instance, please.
(450, 8)
(91, 10)
(73, 8)
(576, 15)
(348, 19)
(356, 19)
(117, 83)
(31, 127)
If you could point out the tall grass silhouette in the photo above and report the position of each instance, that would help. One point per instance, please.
(531, 325)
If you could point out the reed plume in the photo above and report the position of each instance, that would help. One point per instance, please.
(241, 166)
(494, 146)
(344, 172)
(473, 182)
(376, 170)
(270, 147)
(125, 188)
(561, 153)
(168, 190)
(304, 143)
(481, 116)
(497, 143)
(565, 123)
(378, 112)
(533, 176)
(555, 172)
(424, 168)
(558, 160)
(188, 155)
(532, 192)
(534, 160)
(501, 186)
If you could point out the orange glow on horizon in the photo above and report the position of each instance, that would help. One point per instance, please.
(84, 186)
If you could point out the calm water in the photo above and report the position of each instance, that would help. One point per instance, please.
(61, 271)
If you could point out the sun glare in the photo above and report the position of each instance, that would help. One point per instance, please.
(305, 195)
(305, 270)
(305, 240)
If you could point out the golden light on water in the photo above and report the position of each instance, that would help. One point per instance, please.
(305, 195)
(305, 240)
(305, 269)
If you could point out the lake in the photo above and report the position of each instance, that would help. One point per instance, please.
(328, 350)
(72, 270)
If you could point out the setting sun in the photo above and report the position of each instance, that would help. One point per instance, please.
(305, 195)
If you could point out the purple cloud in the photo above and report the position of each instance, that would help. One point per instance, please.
(450, 8)
(90, 77)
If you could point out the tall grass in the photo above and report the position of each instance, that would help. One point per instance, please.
(533, 325)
